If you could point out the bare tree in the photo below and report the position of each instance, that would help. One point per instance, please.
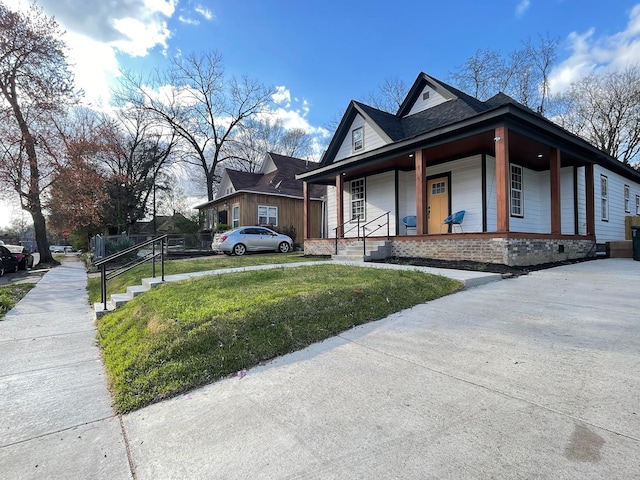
(389, 96)
(523, 74)
(36, 85)
(263, 135)
(483, 74)
(137, 152)
(204, 109)
(605, 110)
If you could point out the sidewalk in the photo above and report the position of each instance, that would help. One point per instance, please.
(534, 377)
(56, 420)
(55, 409)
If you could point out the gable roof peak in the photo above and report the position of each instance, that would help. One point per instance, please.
(442, 88)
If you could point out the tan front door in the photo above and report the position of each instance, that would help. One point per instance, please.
(437, 204)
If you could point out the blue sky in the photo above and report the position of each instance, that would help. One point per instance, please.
(321, 55)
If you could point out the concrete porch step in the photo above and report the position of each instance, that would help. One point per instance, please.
(375, 250)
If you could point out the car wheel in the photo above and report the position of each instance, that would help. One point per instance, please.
(284, 247)
(15, 269)
(239, 249)
(1, 271)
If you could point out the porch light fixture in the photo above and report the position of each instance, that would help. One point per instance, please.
(540, 155)
(496, 139)
(411, 155)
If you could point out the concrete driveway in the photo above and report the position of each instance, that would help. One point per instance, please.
(534, 377)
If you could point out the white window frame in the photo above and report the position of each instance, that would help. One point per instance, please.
(235, 216)
(627, 199)
(516, 184)
(637, 204)
(268, 213)
(358, 199)
(604, 198)
(357, 143)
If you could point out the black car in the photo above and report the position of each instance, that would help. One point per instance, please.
(8, 261)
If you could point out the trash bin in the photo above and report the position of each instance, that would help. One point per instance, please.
(635, 237)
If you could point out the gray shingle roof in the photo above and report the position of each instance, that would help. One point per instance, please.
(283, 178)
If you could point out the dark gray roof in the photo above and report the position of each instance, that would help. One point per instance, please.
(284, 178)
(401, 126)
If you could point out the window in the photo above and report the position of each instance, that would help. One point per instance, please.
(438, 188)
(627, 200)
(604, 198)
(357, 200)
(229, 190)
(235, 216)
(517, 208)
(357, 139)
(637, 204)
(267, 215)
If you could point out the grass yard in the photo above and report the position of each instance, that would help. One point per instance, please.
(201, 264)
(185, 334)
(12, 294)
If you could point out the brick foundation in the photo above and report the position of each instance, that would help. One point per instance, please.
(512, 251)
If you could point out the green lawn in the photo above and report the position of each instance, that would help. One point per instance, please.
(200, 264)
(184, 334)
(11, 294)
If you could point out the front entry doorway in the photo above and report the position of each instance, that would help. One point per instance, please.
(437, 204)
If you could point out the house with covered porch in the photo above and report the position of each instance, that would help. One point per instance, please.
(531, 192)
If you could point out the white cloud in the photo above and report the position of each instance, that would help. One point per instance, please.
(522, 7)
(93, 77)
(96, 31)
(188, 21)
(590, 53)
(282, 96)
(205, 12)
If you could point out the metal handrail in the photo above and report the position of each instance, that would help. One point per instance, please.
(102, 263)
(357, 227)
(365, 235)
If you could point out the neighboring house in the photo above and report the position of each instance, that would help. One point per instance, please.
(272, 197)
(532, 192)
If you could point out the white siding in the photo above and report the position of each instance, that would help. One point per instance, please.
(225, 184)
(371, 139)
(406, 197)
(332, 213)
(466, 189)
(536, 201)
(434, 98)
(492, 212)
(607, 231)
(582, 202)
(380, 195)
(534, 204)
(567, 203)
(268, 165)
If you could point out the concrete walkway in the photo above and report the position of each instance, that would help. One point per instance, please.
(56, 419)
(534, 377)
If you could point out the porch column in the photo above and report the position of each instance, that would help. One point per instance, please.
(306, 227)
(340, 205)
(591, 201)
(421, 193)
(554, 180)
(501, 140)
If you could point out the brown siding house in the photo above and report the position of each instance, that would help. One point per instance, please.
(273, 197)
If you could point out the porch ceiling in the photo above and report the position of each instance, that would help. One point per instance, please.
(522, 150)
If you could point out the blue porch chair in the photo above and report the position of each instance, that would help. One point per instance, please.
(455, 219)
(410, 224)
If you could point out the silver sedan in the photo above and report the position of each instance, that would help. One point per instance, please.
(251, 239)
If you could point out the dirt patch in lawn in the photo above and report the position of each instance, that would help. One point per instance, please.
(505, 270)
